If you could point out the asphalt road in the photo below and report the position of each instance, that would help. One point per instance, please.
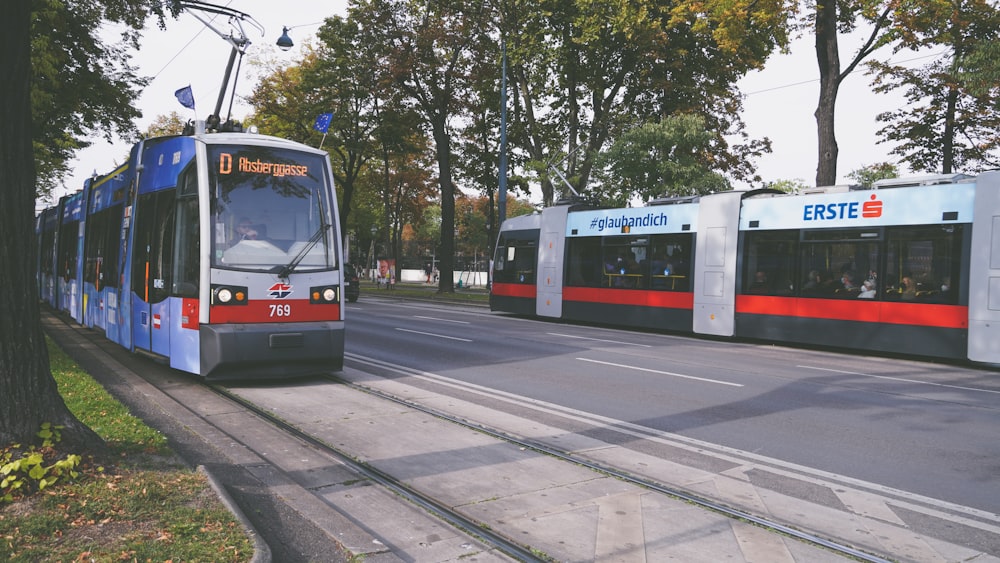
(925, 428)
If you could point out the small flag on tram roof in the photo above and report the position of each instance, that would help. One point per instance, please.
(323, 122)
(185, 96)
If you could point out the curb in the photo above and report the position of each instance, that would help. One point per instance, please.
(261, 551)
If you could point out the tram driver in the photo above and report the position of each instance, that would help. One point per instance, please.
(246, 230)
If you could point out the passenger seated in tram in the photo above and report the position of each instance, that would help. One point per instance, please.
(867, 290)
(848, 285)
(812, 281)
(908, 289)
(759, 284)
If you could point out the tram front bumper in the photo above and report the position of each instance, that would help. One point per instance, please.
(271, 350)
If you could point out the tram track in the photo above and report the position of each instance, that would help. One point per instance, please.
(625, 476)
(425, 502)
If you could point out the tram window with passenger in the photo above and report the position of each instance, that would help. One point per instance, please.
(280, 197)
(769, 262)
(625, 262)
(836, 263)
(670, 262)
(924, 264)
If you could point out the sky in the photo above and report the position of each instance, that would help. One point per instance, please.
(780, 98)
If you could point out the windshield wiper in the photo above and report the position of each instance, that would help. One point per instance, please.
(286, 270)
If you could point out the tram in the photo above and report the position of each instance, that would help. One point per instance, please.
(216, 252)
(910, 266)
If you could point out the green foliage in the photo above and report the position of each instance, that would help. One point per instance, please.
(93, 406)
(166, 124)
(980, 71)
(23, 472)
(868, 175)
(82, 85)
(587, 71)
(948, 123)
(787, 186)
(145, 508)
(668, 158)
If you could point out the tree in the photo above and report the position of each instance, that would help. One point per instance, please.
(668, 158)
(830, 19)
(981, 70)
(428, 49)
(949, 123)
(868, 175)
(81, 85)
(166, 124)
(584, 72)
(787, 186)
(28, 393)
(51, 56)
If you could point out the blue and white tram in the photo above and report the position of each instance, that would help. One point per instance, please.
(909, 267)
(219, 253)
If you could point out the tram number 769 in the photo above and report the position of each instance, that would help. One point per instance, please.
(281, 310)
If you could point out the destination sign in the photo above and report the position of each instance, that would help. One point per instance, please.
(258, 166)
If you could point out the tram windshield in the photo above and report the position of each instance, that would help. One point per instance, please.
(271, 209)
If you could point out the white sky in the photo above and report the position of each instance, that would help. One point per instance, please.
(780, 99)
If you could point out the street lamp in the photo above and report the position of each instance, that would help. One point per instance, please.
(285, 42)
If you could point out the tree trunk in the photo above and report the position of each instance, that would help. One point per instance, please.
(442, 142)
(28, 393)
(948, 142)
(828, 59)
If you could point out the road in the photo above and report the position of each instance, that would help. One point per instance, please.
(922, 428)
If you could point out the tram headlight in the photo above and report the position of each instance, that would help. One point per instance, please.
(324, 294)
(229, 295)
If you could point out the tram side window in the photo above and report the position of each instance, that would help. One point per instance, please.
(47, 243)
(515, 261)
(923, 264)
(670, 262)
(583, 262)
(836, 264)
(101, 265)
(69, 234)
(186, 246)
(769, 262)
(626, 262)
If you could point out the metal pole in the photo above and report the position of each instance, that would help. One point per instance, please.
(222, 90)
(502, 191)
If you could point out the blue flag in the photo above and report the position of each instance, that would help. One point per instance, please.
(185, 96)
(323, 122)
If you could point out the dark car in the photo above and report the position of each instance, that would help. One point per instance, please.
(352, 285)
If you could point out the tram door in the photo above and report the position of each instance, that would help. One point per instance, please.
(551, 249)
(715, 264)
(984, 275)
(151, 268)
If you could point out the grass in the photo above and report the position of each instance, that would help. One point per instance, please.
(428, 292)
(146, 507)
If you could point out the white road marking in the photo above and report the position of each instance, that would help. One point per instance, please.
(637, 368)
(434, 335)
(599, 340)
(903, 379)
(442, 320)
